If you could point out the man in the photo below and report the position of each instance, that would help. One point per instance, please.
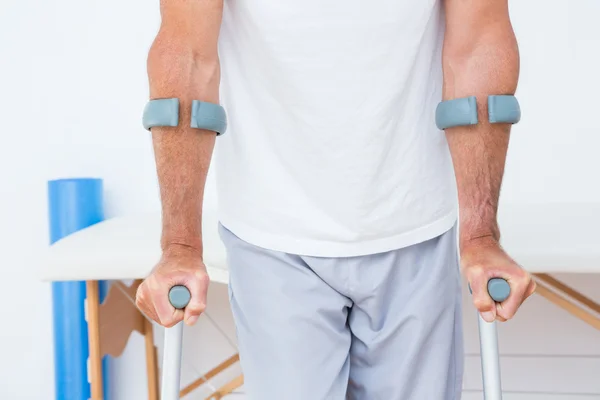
(337, 192)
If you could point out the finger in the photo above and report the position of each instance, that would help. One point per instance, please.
(519, 286)
(499, 318)
(481, 298)
(197, 284)
(144, 304)
(167, 314)
(158, 294)
(530, 289)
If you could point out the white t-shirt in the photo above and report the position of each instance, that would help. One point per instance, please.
(332, 148)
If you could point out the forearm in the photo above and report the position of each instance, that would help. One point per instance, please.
(485, 64)
(181, 67)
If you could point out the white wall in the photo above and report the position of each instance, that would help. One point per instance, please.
(72, 86)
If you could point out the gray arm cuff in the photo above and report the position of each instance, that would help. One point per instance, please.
(161, 112)
(456, 112)
(208, 116)
(502, 109)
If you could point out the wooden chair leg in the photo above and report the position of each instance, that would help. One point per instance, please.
(95, 356)
(151, 361)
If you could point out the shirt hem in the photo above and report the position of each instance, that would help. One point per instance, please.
(324, 248)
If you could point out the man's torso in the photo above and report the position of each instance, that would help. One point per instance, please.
(332, 148)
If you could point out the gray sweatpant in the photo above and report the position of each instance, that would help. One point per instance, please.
(378, 327)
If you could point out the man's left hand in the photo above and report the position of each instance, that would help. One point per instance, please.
(483, 259)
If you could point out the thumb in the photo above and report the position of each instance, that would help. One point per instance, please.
(198, 287)
(481, 298)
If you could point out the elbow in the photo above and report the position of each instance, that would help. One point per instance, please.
(176, 61)
(471, 39)
(481, 64)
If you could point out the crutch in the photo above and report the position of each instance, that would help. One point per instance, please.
(179, 297)
(499, 291)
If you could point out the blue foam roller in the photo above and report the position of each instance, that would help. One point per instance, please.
(73, 204)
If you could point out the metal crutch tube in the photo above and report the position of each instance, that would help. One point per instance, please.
(179, 297)
(499, 291)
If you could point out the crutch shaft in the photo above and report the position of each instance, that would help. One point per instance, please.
(490, 360)
(171, 365)
(179, 297)
(499, 290)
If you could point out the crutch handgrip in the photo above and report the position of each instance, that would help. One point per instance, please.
(179, 297)
(498, 289)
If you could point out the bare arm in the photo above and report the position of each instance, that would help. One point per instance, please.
(182, 63)
(481, 58)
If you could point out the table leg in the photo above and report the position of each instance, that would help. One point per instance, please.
(95, 356)
(209, 375)
(568, 299)
(151, 361)
(227, 388)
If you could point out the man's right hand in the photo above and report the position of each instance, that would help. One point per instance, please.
(179, 265)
